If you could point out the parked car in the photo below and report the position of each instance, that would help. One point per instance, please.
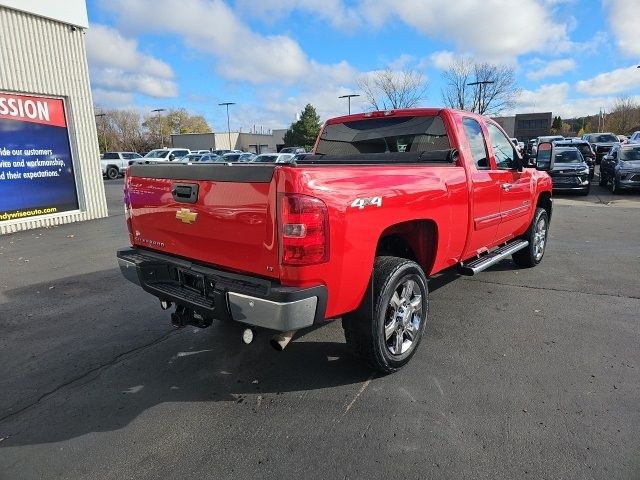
(620, 168)
(192, 157)
(351, 231)
(223, 151)
(622, 138)
(210, 158)
(585, 149)
(115, 164)
(166, 154)
(634, 138)
(294, 150)
(529, 149)
(601, 143)
(545, 138)
(273, 158)
(238, 157)
(570, 171)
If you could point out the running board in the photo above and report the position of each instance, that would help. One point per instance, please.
(485, 261)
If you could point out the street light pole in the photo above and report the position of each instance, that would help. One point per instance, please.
(226, 104)
(349, 97)
(158, 110)
(104, 130)
(481, 83)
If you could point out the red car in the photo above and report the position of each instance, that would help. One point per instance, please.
(353, 230)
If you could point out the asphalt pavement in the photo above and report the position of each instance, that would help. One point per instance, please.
(531, 373)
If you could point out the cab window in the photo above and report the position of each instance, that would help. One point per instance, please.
(475, 137)
(502, 148)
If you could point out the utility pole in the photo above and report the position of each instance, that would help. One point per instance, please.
(349, 97)
(104, 130)
(226, 104)
(158, 110)
(480, 84)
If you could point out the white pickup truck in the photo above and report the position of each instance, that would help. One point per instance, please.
(115, 164)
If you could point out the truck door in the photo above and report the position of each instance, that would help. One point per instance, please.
(485, 191)
(515, 186)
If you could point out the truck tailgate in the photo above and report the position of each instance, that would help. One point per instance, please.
(223, 215)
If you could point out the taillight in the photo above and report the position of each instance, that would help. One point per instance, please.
(127, 205)
(304, 230)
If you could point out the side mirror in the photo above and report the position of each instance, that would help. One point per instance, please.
(544, 157)
(172, 157)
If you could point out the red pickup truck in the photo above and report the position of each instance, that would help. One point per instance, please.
(352, 230)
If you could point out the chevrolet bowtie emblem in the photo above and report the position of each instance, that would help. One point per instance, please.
(186, 216)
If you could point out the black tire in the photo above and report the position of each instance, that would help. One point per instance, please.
(531, 256)
(112, 173)
(395, 321)
(586, 191)
(603, 179)
(614, 186)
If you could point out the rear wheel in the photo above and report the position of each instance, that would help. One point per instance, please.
(537, 235)
(112, 173)
(388, 339)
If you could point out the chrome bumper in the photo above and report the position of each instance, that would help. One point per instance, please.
(277, 308)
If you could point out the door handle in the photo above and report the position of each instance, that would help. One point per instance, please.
(506, 186)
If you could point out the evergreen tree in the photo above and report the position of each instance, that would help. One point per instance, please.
(304, 132)
(557, 124)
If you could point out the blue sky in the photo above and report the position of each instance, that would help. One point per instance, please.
(272, 57)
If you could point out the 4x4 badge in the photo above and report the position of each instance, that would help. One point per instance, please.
(186, 216)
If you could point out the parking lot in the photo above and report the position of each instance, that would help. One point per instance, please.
(522, 374)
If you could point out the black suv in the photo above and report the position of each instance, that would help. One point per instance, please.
(621, 168)
(570, 172)
(601, 143)
(585, 149)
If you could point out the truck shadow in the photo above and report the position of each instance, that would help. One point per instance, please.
(76, 386)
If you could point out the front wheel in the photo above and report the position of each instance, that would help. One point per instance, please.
(537, 235)
(388, 337)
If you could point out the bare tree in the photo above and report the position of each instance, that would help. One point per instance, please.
(624, 116)
(387, 89)
(479, 87)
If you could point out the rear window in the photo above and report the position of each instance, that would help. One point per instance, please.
(384, 135)
(111, 156)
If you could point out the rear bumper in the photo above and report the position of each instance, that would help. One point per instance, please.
(221, 295)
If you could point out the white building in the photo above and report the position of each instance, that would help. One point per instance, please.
(49, 168)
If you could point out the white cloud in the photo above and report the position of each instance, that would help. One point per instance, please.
(240, 53)
(443, 59)
(112, 99)
(335, 12)
(623, 19)
(616, 81)
(118, 67)
(552, 69)
(494, 30)
(555, 98)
